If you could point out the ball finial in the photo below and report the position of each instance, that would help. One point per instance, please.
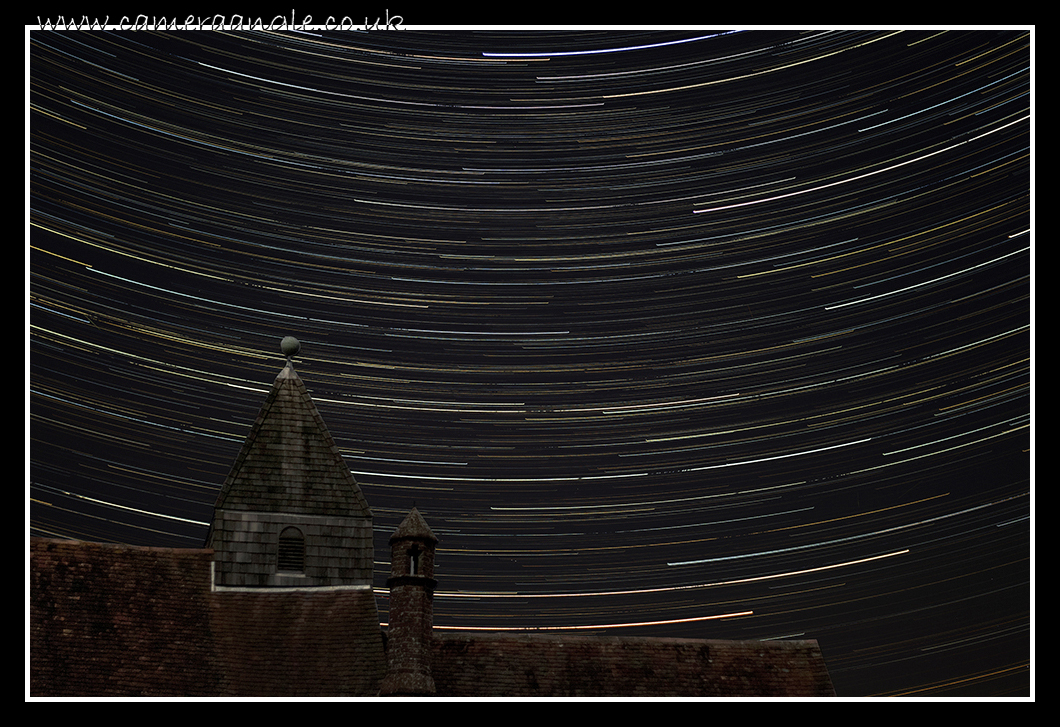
(290, 346)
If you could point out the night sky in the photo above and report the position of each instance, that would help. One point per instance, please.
(652, 327)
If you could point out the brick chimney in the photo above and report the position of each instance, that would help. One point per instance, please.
(411, 585)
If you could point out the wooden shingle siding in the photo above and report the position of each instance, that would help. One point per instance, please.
(289, 473)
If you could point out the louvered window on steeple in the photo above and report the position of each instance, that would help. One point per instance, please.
(291, 554)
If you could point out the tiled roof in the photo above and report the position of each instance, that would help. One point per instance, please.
(110, 620)
(289, 462)
(508, 665)
(299, 644)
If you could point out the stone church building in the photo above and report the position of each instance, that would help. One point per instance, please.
(280, 604)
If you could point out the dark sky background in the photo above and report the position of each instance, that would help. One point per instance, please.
(652, 327)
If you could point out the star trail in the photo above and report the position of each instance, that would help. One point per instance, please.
(703, 333)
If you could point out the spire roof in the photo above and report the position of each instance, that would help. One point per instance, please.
(289, 462)
(413, 527)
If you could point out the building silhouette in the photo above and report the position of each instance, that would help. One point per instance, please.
(280, 603)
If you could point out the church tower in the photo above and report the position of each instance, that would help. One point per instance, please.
(290, 514)
(411, 585)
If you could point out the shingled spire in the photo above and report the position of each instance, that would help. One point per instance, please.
(290, 512)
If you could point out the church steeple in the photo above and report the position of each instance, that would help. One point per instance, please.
(411, 585)
(290, 512)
